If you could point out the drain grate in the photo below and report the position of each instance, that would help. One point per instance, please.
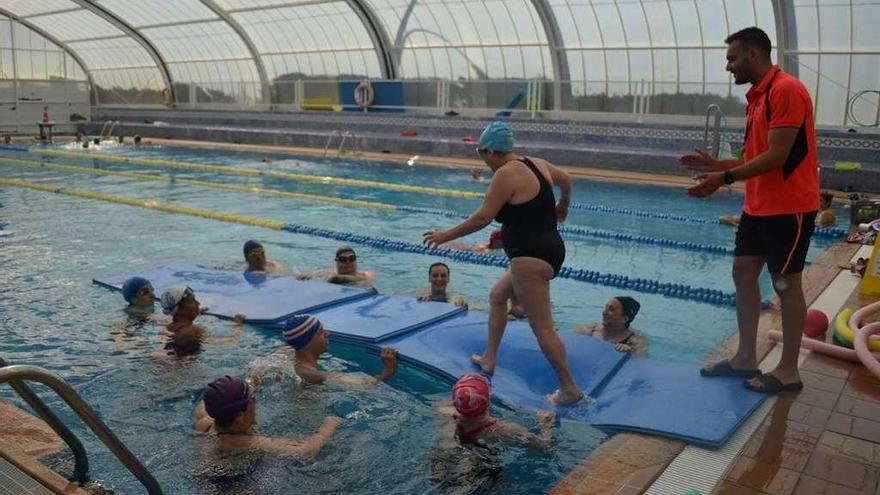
(14, 481)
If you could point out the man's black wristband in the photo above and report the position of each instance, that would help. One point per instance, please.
(728, 177)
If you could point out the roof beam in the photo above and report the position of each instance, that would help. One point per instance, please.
(558, 56)
(58, 42)
(380, 38)
(120, 24)
(249, 43)
(786, 35)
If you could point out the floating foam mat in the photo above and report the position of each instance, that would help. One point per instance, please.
(380, 317)
(263, 299)
(633, 394)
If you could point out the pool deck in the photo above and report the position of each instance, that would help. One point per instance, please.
(23, 439)
(823, 440)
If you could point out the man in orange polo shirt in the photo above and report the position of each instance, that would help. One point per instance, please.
(780, 170)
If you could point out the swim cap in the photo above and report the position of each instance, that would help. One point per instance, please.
(630, 307)
(250, 246)
(496, 137)
(299, 330)
(172, 296)
(225, 397)
(132, 286)
(470, 395)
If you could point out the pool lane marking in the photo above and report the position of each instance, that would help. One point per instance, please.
(678, 291)
(568, 231)
(146, 203)
(222, 169)
(200, 183)
(828, 233)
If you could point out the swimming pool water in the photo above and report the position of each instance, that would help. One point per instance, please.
(52, 316)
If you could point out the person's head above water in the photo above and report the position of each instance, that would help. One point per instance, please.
(471, 395)
(138, 292)
(226, 398)
(438, 276)
(620, 311)
(346, 261)
(180, 302)
(254, 255)
(305, 331)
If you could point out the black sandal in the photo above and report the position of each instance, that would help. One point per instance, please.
(771, 385)
(723, 368)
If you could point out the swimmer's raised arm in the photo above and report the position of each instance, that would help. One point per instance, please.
(307, 447)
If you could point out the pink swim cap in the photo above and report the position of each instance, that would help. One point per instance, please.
(470, 395)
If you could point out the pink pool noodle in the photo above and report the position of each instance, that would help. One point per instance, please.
(824, 348)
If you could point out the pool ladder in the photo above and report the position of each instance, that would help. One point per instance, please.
(711, 110)
(16, 376)
(112, 124)
(343, 135)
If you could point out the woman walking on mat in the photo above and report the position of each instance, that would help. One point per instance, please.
(520, 197)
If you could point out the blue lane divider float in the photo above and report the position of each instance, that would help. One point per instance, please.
(825, 233)
(678, 291)
(573, 231)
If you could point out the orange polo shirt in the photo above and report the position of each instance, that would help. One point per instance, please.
(793, 187)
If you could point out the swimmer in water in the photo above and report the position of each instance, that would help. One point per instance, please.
(310, 340)
(229, 411)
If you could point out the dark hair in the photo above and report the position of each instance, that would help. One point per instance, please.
(439, 263)
(827, 196)
(752, 37)
(345, 249)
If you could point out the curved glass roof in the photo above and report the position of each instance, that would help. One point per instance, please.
(239, 51)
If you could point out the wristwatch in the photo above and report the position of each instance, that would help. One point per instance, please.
(728, 177)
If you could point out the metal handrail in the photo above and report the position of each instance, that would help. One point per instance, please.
(81, 460)
(716, 131)
(329, 140)
(104, 128)
(17, 373)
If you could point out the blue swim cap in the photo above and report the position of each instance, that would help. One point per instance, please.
(131, 286)
(250, 246)
(497, 136)
(299, 330)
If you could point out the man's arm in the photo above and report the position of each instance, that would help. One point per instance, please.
(780, 141)
(518, 434)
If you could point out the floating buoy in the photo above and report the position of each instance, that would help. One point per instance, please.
(409, 132)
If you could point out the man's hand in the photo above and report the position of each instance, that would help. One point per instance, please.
(708, 184)
(434, 238)
(700, 161)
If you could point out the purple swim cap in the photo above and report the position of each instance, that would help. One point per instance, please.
(225, 397)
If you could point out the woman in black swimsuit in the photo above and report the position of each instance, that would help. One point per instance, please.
(520, 197)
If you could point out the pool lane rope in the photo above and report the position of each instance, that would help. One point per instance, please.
(826, 233)
(201, 183)
(678, 291)
(568, 231)
(252, 172)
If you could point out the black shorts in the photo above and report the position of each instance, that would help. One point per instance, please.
(782, 240)
(546, 245)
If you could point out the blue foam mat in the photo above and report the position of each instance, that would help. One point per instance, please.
(523, 377)
(383, 316)
(635, 394)
(262, 299)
